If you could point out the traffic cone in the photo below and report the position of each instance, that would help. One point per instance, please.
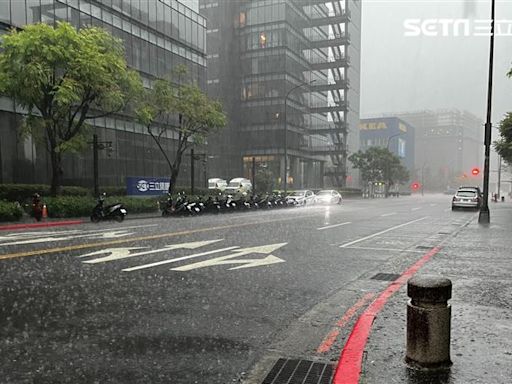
(45, 212)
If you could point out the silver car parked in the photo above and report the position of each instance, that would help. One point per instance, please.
(466, 198)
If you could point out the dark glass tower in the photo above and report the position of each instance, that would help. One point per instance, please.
(158, 35)
(288, 74)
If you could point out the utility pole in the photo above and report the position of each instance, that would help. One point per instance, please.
(253, 175)
(499, 179)
(286, 133)
(192, 171)
(96, 164)
(484, 216)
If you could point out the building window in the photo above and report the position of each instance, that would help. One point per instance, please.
(263, 40)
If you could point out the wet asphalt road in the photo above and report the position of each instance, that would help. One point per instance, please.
(201, 299)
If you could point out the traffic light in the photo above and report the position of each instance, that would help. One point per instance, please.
(475, 171)
(415, 186)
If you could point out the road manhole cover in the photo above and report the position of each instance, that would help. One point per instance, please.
(286, 371)
(386, 276)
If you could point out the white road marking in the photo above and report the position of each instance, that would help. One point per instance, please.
(333, 226)
(388, 214)
(433, 205)
(264, 249)
(177, 259)
(99, 235)
(415, 209)
(384, 249)
(124, 253)
(381, 232)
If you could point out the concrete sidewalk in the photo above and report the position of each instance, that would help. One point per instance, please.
(478, 261)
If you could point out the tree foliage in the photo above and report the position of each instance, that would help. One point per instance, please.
(181, 108)
(64, 78)
(379, 164)
(504, 145)
(264, 180)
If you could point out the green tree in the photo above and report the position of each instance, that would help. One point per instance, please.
(504, 145)
(264, 179)
(379, 164)
(183, 109)
(64, 78)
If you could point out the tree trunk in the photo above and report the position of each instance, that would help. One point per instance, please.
(57, 172)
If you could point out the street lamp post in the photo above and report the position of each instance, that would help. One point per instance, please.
(484, 216)
(392, 136)
(286, 133)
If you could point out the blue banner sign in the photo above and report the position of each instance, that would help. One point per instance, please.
(146, 186)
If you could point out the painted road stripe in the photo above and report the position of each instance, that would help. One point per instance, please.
(384, 249)
(144, 238)
(11, 227)
(177, 259)
(388, 214)
(415, 209)
(333, 226)
(433, 205)
(333, 335)
(380, 233)
(348, 370)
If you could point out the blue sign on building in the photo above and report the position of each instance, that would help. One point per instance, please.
(146, 186)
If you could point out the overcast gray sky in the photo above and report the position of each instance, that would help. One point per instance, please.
(401, 73)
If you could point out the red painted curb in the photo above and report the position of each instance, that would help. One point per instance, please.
(40, 225)
(348, 370)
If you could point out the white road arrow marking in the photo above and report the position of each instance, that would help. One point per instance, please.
(99, 235)
(264, 249)
(114, 254)
(124, 253)
(176, 259)
(52, 236)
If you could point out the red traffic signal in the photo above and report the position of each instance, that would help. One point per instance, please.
(475, 171)
(415, 186)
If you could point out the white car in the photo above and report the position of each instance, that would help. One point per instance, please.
(466, 198)
(216, 183)
(238, 185)
(328, 196)
(304, 197)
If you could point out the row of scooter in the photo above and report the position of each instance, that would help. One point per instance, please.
(222, 203)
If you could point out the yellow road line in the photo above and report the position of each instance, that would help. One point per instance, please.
(141, 238)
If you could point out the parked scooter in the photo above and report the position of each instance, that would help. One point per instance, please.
(168, 208)
(115, 212)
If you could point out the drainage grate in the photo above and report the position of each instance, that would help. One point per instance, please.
(286, 371)
(386, 276)
(423, 247)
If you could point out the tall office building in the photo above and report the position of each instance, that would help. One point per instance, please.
(287, 72)
(157, 34)
(449, 144)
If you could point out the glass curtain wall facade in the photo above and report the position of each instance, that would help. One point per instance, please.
(284, 83)
(158, 35)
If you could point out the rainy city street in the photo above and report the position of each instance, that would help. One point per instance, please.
(210, 299)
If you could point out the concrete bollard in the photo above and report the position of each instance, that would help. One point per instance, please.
(428, 322)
